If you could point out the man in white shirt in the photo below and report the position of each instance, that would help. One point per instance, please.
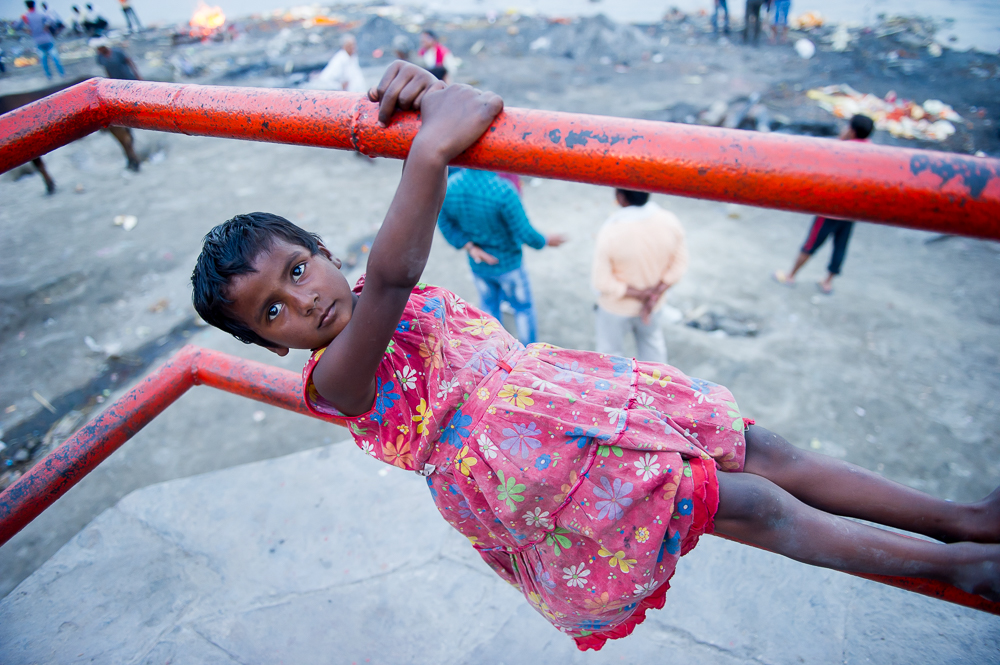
(639, 254)
(343, 72)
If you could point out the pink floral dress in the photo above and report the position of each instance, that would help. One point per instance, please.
(580, 478)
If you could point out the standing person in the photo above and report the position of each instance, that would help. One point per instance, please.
(859, 129)
(752, 13)
(56, 24)
(720, 6)
(119, 65)
(402, 46)
(93, 23)
(483, 215)
(781, 8)
(640, 253)
(438, 60)
(130, 16)
(343, 72)
(77, 27)
(37, 25)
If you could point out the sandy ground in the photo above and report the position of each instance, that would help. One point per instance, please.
(897, 371)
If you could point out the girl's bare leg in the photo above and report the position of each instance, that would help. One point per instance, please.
(755, 510)
(844, 489)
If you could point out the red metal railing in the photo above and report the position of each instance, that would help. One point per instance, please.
(934, 191)
(191, 366)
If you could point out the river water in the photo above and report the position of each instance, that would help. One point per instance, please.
(972, 23)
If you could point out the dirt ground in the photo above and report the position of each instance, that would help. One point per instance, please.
(898, 371)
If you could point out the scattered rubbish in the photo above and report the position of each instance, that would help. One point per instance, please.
(841, 38)
(159, 305)
(805, 48)
(127, 222)
(815, 444)
(258, 416)
(860, 411)
(10, 409)
(158, 157)
(903, 118)
(44, 402)
(477, 47)
(712, 320)
(807, 21)
(25, 61)
(108, 350)
(79, 189)
(540, 44)
(934, 50)
(59, 432)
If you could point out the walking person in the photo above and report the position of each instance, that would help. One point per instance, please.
(483, 215)
(859, 129)
(753, 14)
(781, 8)
(130, 16)
(118, 65)
(639, 254)
(721, 6)
(38, 26)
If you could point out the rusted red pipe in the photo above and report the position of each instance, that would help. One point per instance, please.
(65, 466)
(69, 463)
(933, 191)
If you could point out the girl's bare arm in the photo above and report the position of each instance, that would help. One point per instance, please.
(453, 118)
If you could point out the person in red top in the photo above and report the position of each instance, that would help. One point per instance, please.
(859, 129)
(436, 57)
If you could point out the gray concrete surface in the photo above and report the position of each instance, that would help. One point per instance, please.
(327, 556)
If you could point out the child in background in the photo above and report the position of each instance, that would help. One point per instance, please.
(580, 478)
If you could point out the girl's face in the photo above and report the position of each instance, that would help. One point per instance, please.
(295, 299)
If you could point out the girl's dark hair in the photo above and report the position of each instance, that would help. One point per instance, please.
(862, 126)
(431, 34)
(229, 250)
(633, 197)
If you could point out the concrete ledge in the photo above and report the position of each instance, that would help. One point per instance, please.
(329, 556)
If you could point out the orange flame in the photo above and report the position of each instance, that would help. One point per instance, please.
(206, 19)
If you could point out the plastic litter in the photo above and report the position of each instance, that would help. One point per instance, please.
(805, 48)
(127, 222)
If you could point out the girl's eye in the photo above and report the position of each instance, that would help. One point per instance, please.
(297, 271)
(273, 311)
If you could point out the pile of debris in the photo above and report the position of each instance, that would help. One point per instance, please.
(903, 118)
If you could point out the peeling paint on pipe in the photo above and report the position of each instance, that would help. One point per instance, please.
(919, 189)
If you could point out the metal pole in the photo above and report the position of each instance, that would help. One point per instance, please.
(933, 191)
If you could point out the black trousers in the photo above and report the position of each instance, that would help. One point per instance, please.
(752, 11)
(821, 229)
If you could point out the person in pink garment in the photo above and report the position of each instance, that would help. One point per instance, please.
(580, 478)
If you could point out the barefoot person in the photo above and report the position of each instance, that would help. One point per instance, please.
(579, 478)
(118, 65)
(640, 253)
(859, 129)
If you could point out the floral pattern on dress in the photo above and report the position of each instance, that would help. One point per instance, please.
(580, 478)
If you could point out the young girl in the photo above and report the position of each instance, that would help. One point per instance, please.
(580, 478)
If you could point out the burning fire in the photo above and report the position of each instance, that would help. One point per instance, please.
(206, 20)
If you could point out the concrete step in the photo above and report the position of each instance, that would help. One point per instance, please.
(328, 556)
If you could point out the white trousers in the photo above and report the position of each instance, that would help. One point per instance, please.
(650, 344)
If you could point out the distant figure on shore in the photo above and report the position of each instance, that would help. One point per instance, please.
(781, 8)
(118, 65)
(483, 215)
(436, 57)
(77, 25)
(720, 6)
(859, 129)
(753, 14)
(639, 254)
(343, 72)
(402, 46)
(130, 16)
(37, 25)
(56, 24)
(93, 23)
